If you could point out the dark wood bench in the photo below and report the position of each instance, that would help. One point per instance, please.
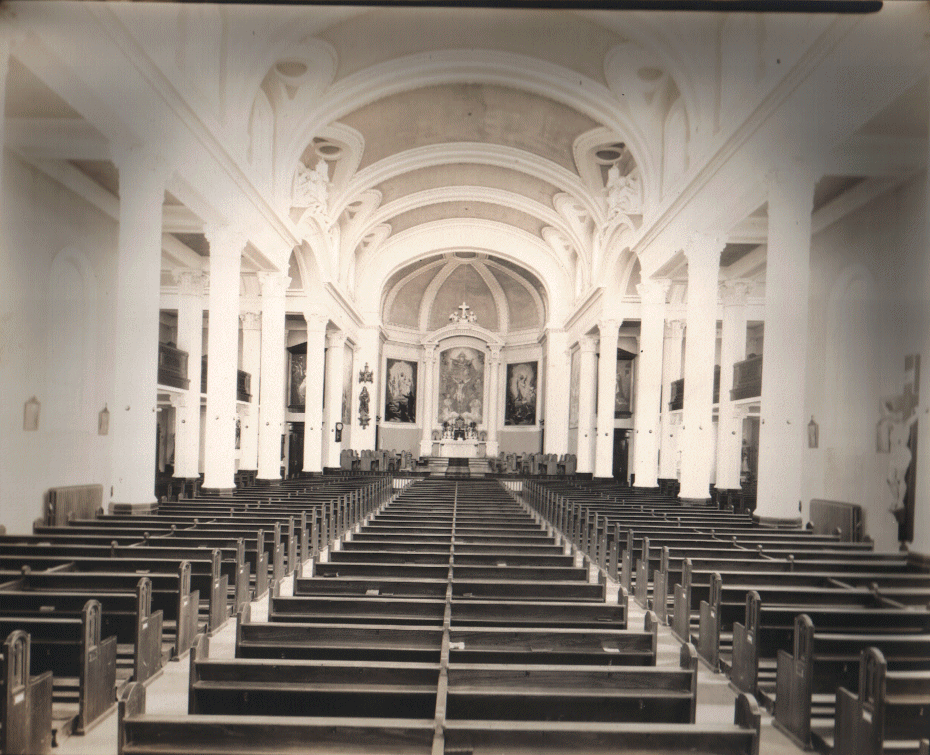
(171, 594)
(889, 713)
(127, 616)
(83, 665)
(766, 629)
(808, 678)
(25, 700)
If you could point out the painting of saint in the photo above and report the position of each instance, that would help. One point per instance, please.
(574, 390)
(623, 403)
(400, 391)
(461, 385)
(297, 395)
(520, 407)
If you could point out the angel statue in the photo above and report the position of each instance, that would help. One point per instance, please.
(622, 193)
(311, 188)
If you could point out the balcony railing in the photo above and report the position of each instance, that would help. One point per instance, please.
(747, 379)
(172, 367)
(678, 391)
(243, 382)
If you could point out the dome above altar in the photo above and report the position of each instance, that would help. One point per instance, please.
(496, 294)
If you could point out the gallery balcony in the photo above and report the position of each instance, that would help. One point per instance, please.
(172, 367)
(747, 379)
(243, 382)
(677, 400)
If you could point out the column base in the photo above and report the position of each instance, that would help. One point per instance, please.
(265, 482)
(134, 509)
(219, 492)
(696, 501)
(774, 521)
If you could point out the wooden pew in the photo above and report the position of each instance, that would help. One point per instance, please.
(808, 678)
(147, 734)
(766, 629)
(889, 714)
(171, 594)
(129, 617)
(25, 701)
(83, 665)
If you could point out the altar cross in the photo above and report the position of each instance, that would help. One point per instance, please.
(464, 307)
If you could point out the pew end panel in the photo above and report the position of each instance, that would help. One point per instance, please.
(97, 680)
(147, 660)
(26, 703)
(794, 685)
(744, 669)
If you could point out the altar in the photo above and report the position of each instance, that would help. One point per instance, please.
(460, 449)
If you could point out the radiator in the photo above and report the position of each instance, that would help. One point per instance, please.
(829, 516)
(73, 502)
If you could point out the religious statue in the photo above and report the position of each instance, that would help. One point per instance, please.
(311, 188)
(363, 404)
(623, 194)
(463, 313)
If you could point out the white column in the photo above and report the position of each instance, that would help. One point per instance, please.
(190, 339)
(271, 386)
(226, 247)
(921, 542)
(369, 351)
(587, 426)
(135, 360)
(698, 438)
(251, 323)
(558, 369)
(6, 44)
(606, 398)
(429, 403)
(493, 418)
(313, 406)
(671, 371)
(335, 357)
(646, 425)
(783, 429)
(732, 350)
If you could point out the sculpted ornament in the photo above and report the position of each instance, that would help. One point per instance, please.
(624, 195)
(311, 188)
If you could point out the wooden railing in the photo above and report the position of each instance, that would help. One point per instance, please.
(243, 382)
(747, 379)
(678, 391)
(172, 367)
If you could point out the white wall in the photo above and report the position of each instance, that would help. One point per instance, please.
(42, 222)
(864, 318)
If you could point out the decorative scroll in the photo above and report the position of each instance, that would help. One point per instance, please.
(461, 385)
(400, 391)
(520, 406)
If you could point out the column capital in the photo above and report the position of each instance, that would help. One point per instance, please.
(608, 326)
(251, 320)
(224, 238)
(429, 350)
(190, 282)
(495, 353)
(138, 160)
(587, 344)
(273, 284)
(675, 329)
(733, 292)
(703, 251)
(178, 400)
(653, 290)
(316, 321)
(336, 339)
(793, 179)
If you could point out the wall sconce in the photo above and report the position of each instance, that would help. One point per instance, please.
(31, 414)
(813, 433)
(103, 421)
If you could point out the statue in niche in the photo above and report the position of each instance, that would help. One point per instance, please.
(623, 194)
(311, 187)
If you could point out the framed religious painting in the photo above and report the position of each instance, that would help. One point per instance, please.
(623, 393)
(520, 403)
(400, 391)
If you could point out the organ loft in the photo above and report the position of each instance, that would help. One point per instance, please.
(465, 380)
